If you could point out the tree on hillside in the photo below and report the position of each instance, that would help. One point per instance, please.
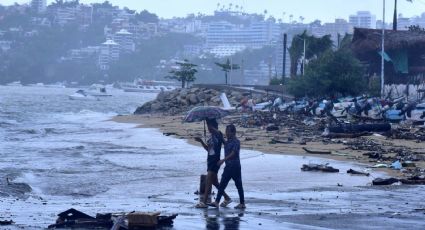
(147, 17)
(185, 72)
(62, 3)
(227, 67)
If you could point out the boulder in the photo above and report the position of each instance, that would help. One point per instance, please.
(201, 95)
(156, 106)
(194, 90)
(183, 93)
(182, 101)
(193, 99)
(215, 99)
(145, 108)
(161, 96)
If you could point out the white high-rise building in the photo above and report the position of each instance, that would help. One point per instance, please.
(109, 52)
(363, 19)
(39, 5)
(256, 35)
(125, 40)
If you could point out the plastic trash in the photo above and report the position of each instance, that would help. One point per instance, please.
(396, 165)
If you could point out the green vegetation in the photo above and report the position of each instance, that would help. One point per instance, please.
(331, 74)
(185, 73)
(314, 47)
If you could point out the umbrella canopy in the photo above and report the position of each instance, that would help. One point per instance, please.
(201, 113)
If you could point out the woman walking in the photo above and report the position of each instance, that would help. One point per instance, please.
(213, 147)
(232, 169)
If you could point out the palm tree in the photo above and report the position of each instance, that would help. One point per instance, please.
(395, 14)
(227, 67)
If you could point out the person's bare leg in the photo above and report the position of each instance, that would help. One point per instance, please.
(216, 184)
(208, 186)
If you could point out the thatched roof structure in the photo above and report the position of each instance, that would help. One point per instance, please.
(366, 45)
(369, 40)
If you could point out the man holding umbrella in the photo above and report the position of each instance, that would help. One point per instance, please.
(213, 148)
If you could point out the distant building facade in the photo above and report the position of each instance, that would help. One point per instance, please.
(39, 5)
(109, 53)
(363, 19)
(125, 41)
(256, 35)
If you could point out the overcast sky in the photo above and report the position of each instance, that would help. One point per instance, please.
(324, 10)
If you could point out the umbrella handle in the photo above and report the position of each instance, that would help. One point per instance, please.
(205, 132)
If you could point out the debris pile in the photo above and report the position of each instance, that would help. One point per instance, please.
(73, 218)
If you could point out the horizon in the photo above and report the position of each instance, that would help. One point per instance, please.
(317, 11)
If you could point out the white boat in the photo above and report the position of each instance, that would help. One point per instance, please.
(97, 90)
(144, 86)
(15, 83)
(36, 85)
(55, 85)
(83, 96)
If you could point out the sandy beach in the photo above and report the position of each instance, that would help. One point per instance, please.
(259, 139)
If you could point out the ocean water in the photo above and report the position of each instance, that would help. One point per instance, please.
(71, 155)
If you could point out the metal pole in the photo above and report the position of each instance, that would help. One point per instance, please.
(304, 57)
(231, 69)
(285, 38)
(382, 51)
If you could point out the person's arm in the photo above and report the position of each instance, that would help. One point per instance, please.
(205, 146)
(230, 156)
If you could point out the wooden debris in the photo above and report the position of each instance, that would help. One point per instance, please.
(354, 172)
(311, 151)
(319, 167)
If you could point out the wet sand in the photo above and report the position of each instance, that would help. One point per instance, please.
(258, 139)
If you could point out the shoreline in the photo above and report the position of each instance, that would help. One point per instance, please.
(258, 139)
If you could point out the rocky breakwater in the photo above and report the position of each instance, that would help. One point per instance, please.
(179, 101)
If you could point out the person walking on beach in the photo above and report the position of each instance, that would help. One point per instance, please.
(232, 169)
(213, 147)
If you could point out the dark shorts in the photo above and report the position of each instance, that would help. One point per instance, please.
(213, 167)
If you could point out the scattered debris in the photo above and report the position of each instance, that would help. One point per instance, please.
(359, 128)
(6, 222)
(387, 181)
(73, 218)
(311, 151)
(414, 180)
(352, 171)
(319, 167)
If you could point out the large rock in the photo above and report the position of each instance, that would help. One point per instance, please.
(215, 99)
(193, 99)
(194, 90)
(156, 106)
(184, 93)
(145, 108)
(162, 96)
